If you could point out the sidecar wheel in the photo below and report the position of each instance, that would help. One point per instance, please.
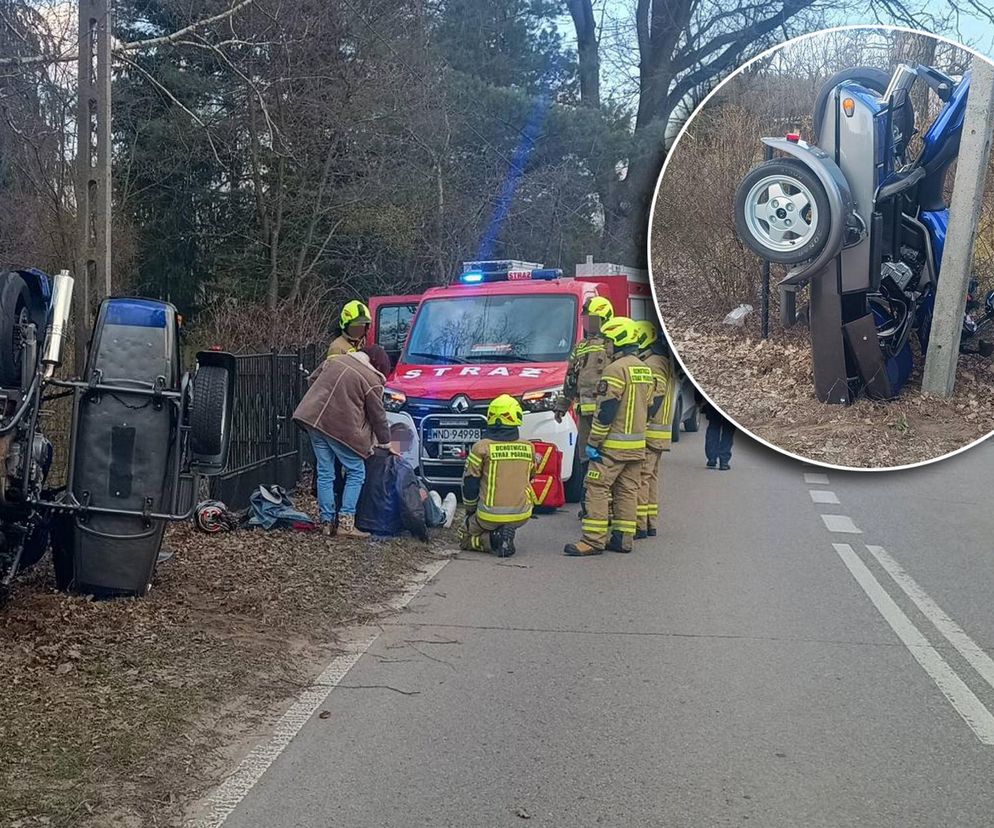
(209, 414)
(15, 310)
(782, 212)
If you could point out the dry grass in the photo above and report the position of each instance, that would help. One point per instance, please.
(118, 713)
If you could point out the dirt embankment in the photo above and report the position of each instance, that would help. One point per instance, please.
(119, 713)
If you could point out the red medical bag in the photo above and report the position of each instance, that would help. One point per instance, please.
(547, 481)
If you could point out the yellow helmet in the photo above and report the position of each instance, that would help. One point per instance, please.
(621, 330)
(647, 333)
(598, 306)
(353, 312)
(504, 410)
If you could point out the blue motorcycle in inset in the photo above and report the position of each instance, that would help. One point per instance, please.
(863, 225)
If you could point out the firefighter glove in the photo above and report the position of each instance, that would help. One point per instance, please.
(593, 454)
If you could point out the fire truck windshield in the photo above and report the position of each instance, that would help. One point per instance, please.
(493, 328)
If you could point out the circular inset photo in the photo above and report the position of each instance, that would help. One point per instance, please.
(822, 248)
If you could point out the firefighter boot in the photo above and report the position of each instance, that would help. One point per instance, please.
(581, 549)
(502, 541)
(617, 543)
(346, 528)
(640, 534)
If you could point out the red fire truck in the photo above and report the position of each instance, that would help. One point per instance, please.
(503, 327)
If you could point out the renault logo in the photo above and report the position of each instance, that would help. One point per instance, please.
(460, 405)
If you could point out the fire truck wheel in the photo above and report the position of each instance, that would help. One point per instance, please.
(15, 303)
(574, 486)
(693, 421)
(208, 415)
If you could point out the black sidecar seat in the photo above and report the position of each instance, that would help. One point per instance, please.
(124, 448)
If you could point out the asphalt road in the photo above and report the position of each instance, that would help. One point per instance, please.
(754, 665)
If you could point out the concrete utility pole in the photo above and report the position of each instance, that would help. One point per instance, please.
(93, 180)
(964, 211)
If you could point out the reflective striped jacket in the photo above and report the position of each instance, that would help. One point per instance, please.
(658, 429)
(630, 383)
(587, 361)
(505, 472)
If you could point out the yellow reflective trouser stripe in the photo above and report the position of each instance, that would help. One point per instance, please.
(500, 517)
(624, 526)
(642, 511)
(652, 510)
(594, 527)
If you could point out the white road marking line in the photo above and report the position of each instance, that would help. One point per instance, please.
(821, 479)
(226, 797)
(964, 702)
(841, 523)
(823, 496)
(953, 632)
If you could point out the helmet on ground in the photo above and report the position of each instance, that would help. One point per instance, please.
(598, 306)
(505, 411)
(355, 312)
(647, 333)
(213, 516)
(621, 331)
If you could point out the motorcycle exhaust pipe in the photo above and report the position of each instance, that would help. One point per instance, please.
(58, 327)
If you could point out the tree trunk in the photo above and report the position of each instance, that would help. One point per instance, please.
(588, 52)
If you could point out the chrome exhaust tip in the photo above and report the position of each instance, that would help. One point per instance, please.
(58, 326)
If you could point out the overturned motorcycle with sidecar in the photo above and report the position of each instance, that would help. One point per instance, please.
(862, 224)
(140, 434)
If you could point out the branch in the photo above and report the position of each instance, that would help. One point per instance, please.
(132, 46)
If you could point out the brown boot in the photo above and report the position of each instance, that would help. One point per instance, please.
(346, 528)
(581, 549)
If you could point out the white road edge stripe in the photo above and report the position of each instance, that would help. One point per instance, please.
(953, 632)
(841, 523)
(226, 797)
(961, 697)
(823, 496)
(816, 478)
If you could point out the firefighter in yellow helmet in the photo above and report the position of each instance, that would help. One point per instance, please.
(496, 484)
(653, 355)
(587, 361)
(616, 446)
(354, 323)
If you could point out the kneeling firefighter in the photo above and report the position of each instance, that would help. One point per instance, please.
(354, 323)
(496, 485)
(657, 429)
(616, 447)
(587, 361)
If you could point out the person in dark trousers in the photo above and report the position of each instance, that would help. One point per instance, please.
(718, 440)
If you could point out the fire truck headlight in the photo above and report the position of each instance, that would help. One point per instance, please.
(544, 400)
(393, 400)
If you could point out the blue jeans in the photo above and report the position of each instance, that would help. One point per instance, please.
(718, 440)
(326, 450)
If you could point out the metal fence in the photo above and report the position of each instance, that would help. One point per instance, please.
(266, 446)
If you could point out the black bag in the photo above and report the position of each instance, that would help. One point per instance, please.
(379, 508)
(411, 496)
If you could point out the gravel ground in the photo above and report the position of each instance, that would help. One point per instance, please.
(117, 713)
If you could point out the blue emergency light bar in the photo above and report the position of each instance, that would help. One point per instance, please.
(473, 277)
